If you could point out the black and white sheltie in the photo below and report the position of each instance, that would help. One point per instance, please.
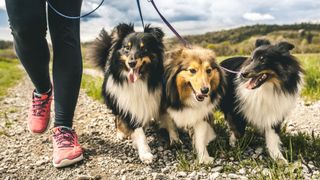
(263, 93)
(194, 84)
(133, 67)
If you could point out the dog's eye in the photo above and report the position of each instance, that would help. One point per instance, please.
(192, 71)
(126, 48)
(208, 71)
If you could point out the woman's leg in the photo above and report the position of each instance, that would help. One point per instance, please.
(28, 24)
(67, 72)
(67, 60)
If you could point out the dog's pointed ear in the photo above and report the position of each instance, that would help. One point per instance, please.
(261, 42)
(284, 47)
(156, 32)
(121, 31)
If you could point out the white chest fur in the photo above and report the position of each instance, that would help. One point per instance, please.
(136, 99)
(189, 116)
(264, 107)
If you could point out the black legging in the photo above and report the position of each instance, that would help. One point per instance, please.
(28, 23)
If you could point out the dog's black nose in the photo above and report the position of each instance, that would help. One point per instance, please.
(132, 64)
(244, 74)
(204, 90)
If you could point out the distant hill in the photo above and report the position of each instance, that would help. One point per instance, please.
(305, 36)
(238, 41)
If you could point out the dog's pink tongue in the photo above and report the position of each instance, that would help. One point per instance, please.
(132, 76)
(250, 84)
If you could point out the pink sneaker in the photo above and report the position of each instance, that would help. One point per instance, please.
(66, 149)
(39, 113)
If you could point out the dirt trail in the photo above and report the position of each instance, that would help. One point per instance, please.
(26, 156)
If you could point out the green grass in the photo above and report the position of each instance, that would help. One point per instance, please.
(10, 74)
(7, 54)
(311, 65)
(92, 86)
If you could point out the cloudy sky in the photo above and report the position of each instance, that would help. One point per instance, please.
(189, 16)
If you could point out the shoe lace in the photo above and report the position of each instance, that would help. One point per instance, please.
(39, 106)
(64, 137)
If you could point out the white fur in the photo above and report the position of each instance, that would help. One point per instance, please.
(193, 116)
(136, 99)
(140, 142)
(120, 135)
(264, 106)
(232, 139)
(273, 143)
(203, 134)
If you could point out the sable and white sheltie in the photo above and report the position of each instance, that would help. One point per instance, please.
(263, 93)
(133, 67)
(194, 84)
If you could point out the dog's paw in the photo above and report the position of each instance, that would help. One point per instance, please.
(175, 141)
(120, 136)
(146, 157)
(278, 158)
(281, 161)
(232, 140)
(206, 160)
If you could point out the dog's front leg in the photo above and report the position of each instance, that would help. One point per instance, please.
(273, 143)
(167, 123)
(203, 134)
(140, 142)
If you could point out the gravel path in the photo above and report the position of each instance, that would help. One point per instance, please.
(25, 156)
(305, 118)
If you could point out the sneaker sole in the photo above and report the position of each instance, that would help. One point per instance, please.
(67, 162)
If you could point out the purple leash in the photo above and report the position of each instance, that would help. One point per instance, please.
(228, 70)
(182, 40)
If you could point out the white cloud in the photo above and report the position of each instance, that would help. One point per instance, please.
(257, 17)
(191, 17)
(2, 4)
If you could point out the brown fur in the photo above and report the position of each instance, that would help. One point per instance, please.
(140, 61)
(198, 59)
(122, 127)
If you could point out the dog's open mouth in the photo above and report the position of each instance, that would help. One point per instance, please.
(134, 74)
(198, 96)
(257, 81)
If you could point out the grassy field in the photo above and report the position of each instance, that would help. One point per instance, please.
(311, 64)
(9, 74)
(92, 86)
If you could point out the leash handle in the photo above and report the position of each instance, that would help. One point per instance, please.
(182, 40)
(73, 17)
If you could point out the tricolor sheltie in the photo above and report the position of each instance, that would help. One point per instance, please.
(262, 93)
(194, 84)
(132, 88)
